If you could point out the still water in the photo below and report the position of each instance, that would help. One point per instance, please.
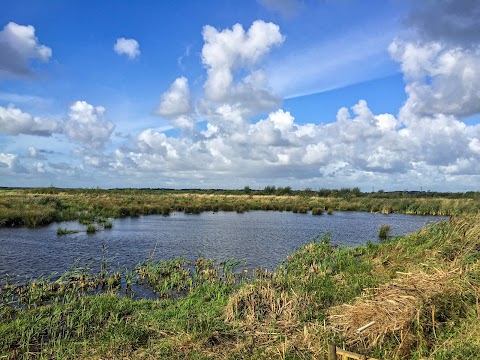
(259, 238)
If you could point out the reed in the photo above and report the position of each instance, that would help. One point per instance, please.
(384, 232)
(91, 229)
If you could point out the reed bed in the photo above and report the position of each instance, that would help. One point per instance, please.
(33, 208)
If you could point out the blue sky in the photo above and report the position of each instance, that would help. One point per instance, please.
(233, 93)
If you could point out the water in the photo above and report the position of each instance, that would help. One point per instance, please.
(259, 238)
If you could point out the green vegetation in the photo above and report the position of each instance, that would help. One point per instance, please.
(37, 207)
(384, 232)
(65, 231)
(422, 290)
(91, 229)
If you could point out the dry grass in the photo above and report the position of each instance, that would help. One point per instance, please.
(401, 310)
(259, 303)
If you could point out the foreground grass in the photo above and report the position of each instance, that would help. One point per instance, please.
(37, 207)
(290, 313)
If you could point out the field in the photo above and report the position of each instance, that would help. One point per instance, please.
(422, 290)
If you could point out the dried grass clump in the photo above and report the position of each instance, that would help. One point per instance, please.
(261, 303)
(396, 308)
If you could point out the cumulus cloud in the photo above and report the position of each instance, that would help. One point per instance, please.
(228, 49)
(7, 160)
(439, 79)
(426, 142)
(33, 153)
(271, 144)
(18, 47)
(236, 87)
(129, 47)
(11, 163)
(176, 105)
(85, 125)
(14, 121)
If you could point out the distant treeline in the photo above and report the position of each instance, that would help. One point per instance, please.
(344, 193)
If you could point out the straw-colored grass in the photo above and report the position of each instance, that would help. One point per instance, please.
(403, 310)
(260, 303)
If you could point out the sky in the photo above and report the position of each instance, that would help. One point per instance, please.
(229, 93)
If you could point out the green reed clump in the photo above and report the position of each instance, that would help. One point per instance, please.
(91, 229)
(384, 231)
(65, 231)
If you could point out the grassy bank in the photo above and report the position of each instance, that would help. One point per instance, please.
(37, 207)
(422, 291)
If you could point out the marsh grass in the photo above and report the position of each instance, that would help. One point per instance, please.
(91, 229)
(38, 207)
(384, 232)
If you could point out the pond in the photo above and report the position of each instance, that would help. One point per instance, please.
(259, 238)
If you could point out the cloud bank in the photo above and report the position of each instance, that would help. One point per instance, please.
(426, 144)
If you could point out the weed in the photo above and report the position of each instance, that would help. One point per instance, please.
(384, 231)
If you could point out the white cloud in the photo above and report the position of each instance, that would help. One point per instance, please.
(236, 87)
(40, 167)
(18, 46)
(14, 121)
(425, 144)
(33, 152)
(7, 160)
(11, 163)
(439, 79)
(230, 49)
(129, 47)
(176, 105)
(474, 146)
(85, 125)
